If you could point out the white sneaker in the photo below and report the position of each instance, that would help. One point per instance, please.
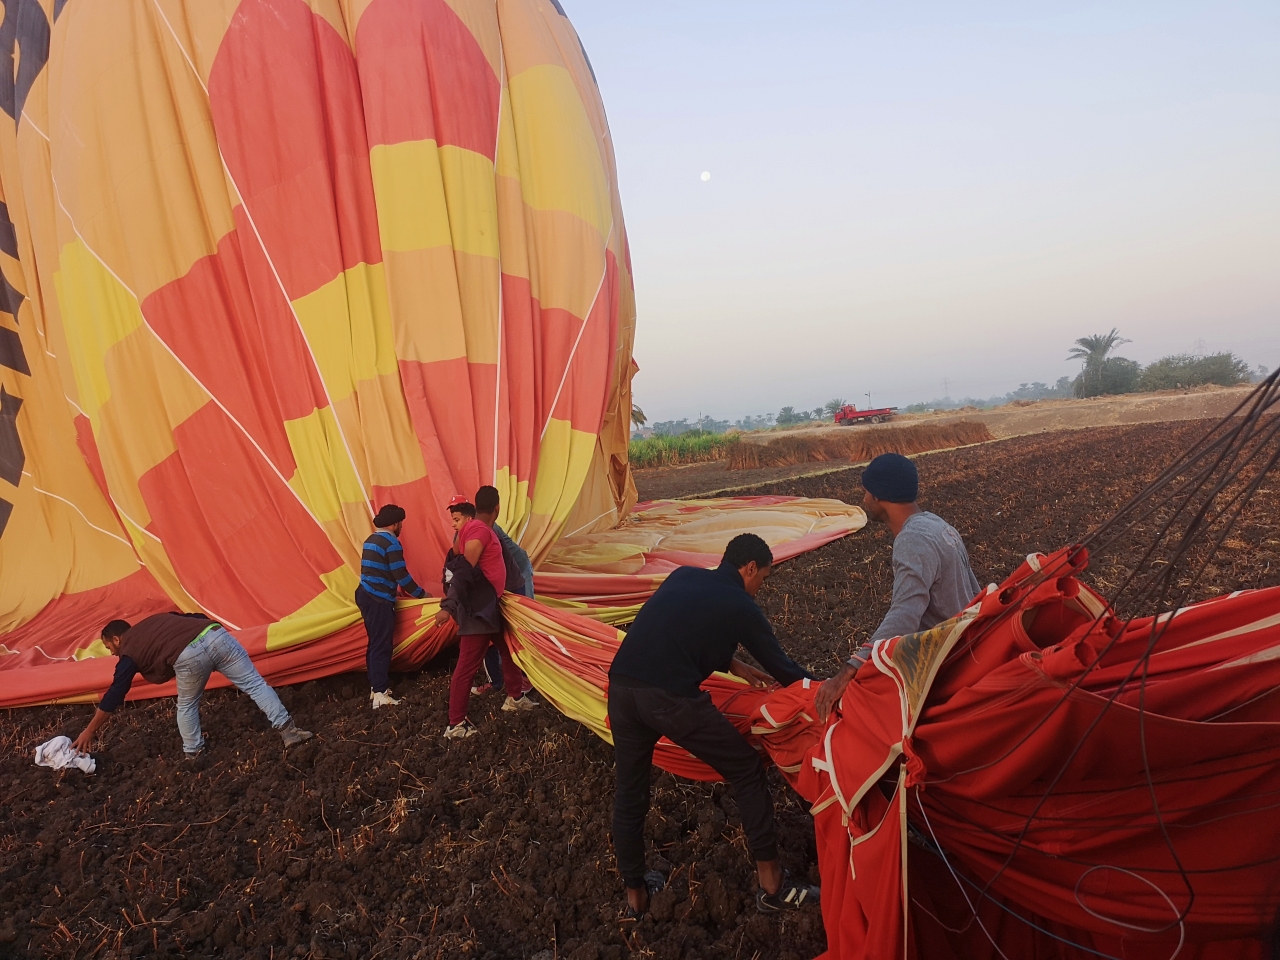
(512, 705)
(382, 699)
(460, 732)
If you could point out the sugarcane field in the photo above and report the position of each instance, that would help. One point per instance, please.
(539, 480)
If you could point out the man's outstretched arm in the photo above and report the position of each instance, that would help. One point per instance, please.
(121, 681)
(758, 639)
(400, 570)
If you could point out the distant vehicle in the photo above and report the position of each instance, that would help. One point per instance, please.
(849, 414)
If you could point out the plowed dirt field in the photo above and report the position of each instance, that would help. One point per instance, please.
(380, 839)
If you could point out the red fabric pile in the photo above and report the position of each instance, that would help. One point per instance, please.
(1038, 779)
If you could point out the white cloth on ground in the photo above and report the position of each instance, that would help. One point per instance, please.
(58, 753)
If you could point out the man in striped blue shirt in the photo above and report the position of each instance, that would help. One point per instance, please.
(382, 571)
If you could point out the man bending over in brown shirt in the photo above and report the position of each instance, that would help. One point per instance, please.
(188, 646)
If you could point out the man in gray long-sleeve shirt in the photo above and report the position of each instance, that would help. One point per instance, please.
(932, 580)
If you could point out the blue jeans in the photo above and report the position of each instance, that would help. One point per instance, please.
(219, 650)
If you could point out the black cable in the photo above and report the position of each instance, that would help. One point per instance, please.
(1190, 490)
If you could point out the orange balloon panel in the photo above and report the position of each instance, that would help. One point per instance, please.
(270, 264)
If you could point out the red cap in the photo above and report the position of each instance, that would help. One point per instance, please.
(458, 500)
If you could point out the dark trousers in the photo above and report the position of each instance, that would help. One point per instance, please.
(639, 716)
(379, 623)
(493, 669)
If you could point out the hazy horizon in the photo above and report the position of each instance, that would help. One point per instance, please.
(900, 197)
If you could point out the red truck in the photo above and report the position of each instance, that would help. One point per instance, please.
(849, 414)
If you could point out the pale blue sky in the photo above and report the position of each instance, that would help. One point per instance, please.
(905, 192)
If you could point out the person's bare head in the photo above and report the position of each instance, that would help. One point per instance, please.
(488, 503)
(112, 633)
(752, 558)
(460, 513)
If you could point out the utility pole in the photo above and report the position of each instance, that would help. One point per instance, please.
(868, 396)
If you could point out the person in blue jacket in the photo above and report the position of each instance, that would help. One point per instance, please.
(382, 573)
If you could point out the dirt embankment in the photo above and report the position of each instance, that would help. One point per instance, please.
(380, 839)
(1012, 420)
(856, 446)
(1041, 416)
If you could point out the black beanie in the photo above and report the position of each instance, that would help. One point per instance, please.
(892, 477)
(389, 515)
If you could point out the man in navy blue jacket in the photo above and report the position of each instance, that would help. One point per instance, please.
(690, 628)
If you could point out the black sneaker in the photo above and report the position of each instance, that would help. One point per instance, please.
(654, 882)
(792, 895)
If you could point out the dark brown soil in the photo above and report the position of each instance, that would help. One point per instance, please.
(708, 479)
(377, 839)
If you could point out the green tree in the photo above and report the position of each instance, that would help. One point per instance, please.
(1183, 370)
(637, 416)
(1094, 352)
(832, 407)
(1117, 375)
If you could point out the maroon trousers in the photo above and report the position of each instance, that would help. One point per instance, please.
(471, 650)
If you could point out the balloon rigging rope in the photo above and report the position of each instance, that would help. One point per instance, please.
(1195, 486)
(984, 893)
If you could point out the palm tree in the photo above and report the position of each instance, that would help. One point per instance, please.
(832, 407)
(1093, 351)
(637, 416)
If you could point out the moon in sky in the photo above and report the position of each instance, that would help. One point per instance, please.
(706, 175)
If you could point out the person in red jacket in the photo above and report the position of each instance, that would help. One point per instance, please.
(190, 647)
(475, 577)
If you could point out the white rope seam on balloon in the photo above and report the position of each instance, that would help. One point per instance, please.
(50, 493)
(591, 521)
(497, 140)
(604, 273)
(129, 543)
(27, 118)
(244, 204)
(146, 323)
